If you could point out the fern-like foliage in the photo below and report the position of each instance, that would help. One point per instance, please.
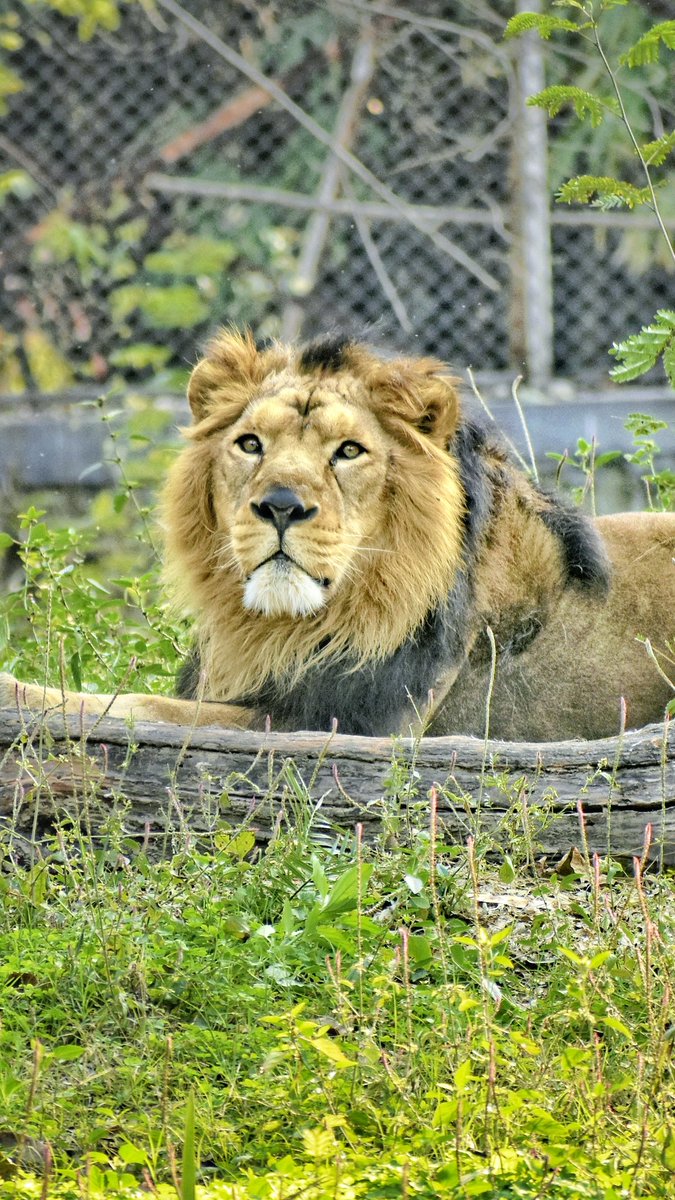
(603, 190)
(647, 49)
(641, 351)
(585, 104)
(544, 25)
(656, 153)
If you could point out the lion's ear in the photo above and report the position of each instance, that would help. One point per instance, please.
(439, 400)
(418, 393)
(226, 378)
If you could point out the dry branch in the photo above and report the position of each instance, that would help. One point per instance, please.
(317, 131)
(316, 232)
(173, 777)
(227, 116)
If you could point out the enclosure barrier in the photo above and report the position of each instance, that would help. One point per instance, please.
(615, 795)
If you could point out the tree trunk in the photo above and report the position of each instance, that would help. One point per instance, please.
(598, 795)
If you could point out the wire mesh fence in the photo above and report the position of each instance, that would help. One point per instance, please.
(163, 190)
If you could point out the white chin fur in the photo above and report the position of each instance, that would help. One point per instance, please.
(279, 589)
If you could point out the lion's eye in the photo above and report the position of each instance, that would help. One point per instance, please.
(349, 450)
(249, 443)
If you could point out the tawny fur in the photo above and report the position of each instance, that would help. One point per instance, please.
(421, 537)
(397, 566)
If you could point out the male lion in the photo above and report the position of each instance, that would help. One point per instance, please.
(352, 548)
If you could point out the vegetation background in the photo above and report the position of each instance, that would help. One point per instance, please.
(328, 1019)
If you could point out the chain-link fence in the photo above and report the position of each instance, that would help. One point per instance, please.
(373, 177)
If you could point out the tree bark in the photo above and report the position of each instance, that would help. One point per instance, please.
(600, 795)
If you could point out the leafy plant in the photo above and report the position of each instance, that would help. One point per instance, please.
(497, 1039)
(86, 609)
(642, 350)
(659, 480)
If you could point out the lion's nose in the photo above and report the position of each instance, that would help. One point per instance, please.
(282, 507)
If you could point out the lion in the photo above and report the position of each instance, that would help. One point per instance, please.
(354, 549)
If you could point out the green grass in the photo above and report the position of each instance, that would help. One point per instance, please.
(323, 1019)
(341, 1021)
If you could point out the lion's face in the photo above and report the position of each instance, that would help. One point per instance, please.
(298, 486)
(316, 501)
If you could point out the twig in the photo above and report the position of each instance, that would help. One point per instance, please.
(516, 400)
(426, 214)
(439, 23)
(317, 131)
(636, 146)
(381, 274)
(316, 233)
(484, 405)
(488, 713)
(225, 117)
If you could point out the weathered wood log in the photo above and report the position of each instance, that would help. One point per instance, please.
(598, 795)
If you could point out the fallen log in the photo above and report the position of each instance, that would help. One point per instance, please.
(161, 779)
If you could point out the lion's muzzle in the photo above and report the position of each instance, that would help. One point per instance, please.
(281, 587)
(283, 507)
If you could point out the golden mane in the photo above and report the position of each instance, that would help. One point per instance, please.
(392, 586)
(353, 548)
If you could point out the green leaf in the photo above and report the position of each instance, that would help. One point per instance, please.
(615, 1023)
(318, 1144)
(643, 425)
(175, 307)
(9, 40)
(66, 1053)
(419, 948)
(445, 1115)
(585, 104)
(319, 877)
(6, 540)
(132, 1154)
(647, 48)
(507, 871)
(332, 1050)
(343, 896)
(49, 368)
(656, 153)
(583, 188)
(669, 361)
(463, 1075)
(140, 355)
(641, 351)
(188, 1183)
(542, 24)
(600, 959)
(76, 670)
(236, 845)
(287, 922)
(191, 256)
(10, 83)
(16, 183)
(668, 1150)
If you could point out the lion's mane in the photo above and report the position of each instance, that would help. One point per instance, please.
(464, 542)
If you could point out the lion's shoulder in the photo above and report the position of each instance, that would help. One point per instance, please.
(499, 494)
(345, 532)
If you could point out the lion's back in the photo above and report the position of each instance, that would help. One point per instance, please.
(590, 654)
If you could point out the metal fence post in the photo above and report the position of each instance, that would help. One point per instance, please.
(531, 322)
